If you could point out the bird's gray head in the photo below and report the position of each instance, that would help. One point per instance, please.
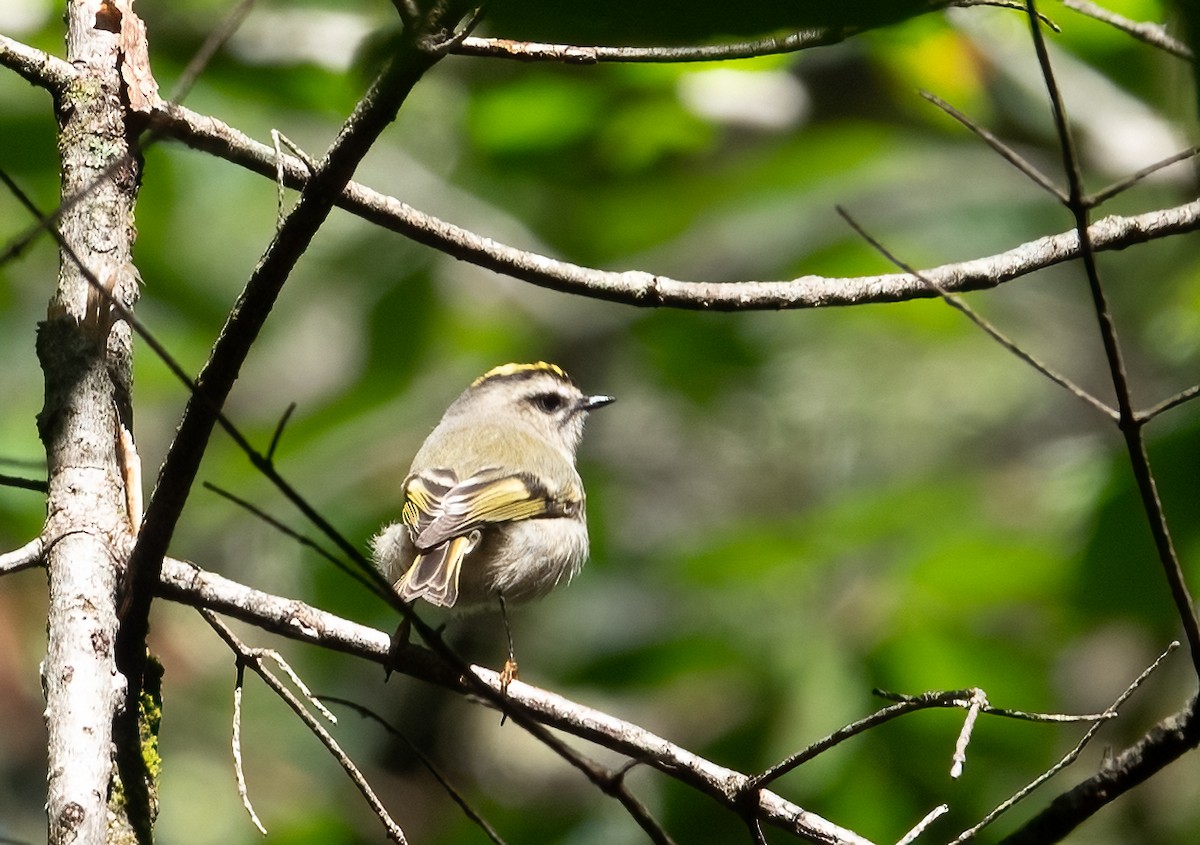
(540, 395)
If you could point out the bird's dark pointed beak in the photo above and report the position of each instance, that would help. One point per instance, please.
(591, 403)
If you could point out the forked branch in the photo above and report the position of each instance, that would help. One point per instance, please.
(1130, 422)
(186, 583)
(253, 658)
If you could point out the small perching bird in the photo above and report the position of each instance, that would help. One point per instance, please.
(494, 508)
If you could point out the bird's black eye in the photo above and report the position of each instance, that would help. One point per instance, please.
(547, 402)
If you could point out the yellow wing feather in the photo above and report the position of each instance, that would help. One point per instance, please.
(446, 517)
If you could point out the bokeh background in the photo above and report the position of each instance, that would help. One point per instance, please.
(787, 509)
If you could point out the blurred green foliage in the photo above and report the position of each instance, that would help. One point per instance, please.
(787, 510)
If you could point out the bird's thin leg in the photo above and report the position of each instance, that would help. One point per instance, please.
(509, 674)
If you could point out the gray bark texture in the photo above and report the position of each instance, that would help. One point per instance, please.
(85, 357)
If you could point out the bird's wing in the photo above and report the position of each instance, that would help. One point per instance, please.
(445, 518)
(439, 508)
(423, 496)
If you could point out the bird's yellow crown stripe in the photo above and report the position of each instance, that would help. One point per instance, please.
(518, 369)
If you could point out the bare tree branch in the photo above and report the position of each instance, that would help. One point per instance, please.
(1173, 402)
(37, 67)
(971, 700)
(35, 484)
(305, 541)
(215, 40)
(186, 583)
(251, 657)
(533, 51)
(26, 557)
(374, 112)
(1002, 149)
(1148, 33)
(239, 770)
(984, 325)
(651, 290)
(924, 823)
(455, 794)
(1166, 742)
(1067, 759)
(962, 698)
(1131, 426)
(1105, 194)
(951, 698)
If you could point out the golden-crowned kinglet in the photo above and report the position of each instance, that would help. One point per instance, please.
(493, 504)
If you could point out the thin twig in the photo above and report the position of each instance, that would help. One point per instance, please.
(373, 113)
(250, 658)
(949, 698)
(1069, 758)
(283, 421)
(652, 290)
(966, 310)
(276, 141)
(238, 769)
(35, 484)
(1102, 196)
(1161, 745)
(1016, 5)
(279, 141)
(967, 699)
(1167, 404)
(260, 462)
(464, 30)
(216, 39)
(611, 783)
(455, 795)
(1150, 33)
(757, 835)
(964, 700)
(285, 667)
(1132, 428)
(431, 636)
(18, 244)
(977, 702)
(924, 823)
(185, 582)
(614, 786)
(288, 531)
(1002, 149)
(56, 74)
(533, 51)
